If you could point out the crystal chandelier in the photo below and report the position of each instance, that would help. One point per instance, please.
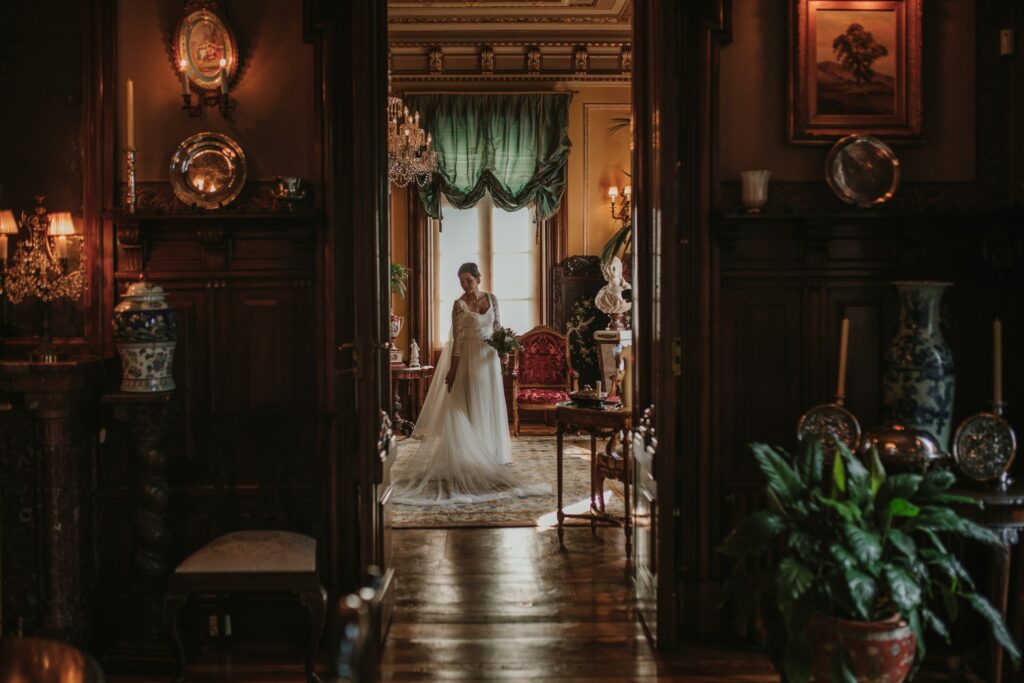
(410, 158)
(41, 267)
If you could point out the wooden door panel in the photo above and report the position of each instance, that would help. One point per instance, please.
(761, 350)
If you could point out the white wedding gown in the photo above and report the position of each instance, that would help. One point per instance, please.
(464, 439)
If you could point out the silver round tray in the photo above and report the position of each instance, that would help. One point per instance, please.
(862, 170)
(208, 170)
(984, 447)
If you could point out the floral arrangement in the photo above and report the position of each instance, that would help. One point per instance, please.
(505, 341)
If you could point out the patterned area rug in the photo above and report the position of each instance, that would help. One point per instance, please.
(534, 462)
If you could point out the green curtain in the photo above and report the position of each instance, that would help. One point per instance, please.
(513, 146)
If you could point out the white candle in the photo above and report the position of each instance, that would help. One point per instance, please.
(844, 346)
(997, 362)
(223, 76)
(62, 247)
(599, 388)
(3, 247)
(130, 114)
(184, 77)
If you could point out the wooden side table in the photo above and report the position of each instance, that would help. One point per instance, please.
(418, 378)
(1004, 515)
(596, 422)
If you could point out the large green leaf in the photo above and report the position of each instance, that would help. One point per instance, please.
(933, 622)
(913, 618)
(858, 481)
(983, 607)
(897, 486)
(903, 542)
(847, 510)
(865, 545)
(941, 519)
(901, 507)
(863, 591)
(809, 462)
(935, 482)
(782, 479)
(843, 556)
(793, 578)
(754, 534)
(878, 476)
(838, 477)
(903, 589)
(949, 565)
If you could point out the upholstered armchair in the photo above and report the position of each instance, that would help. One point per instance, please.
(544, 374)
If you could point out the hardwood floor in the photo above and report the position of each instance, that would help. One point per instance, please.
(507, 605)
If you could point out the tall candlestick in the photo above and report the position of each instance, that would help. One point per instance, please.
(997, 363)
(130, 114)
(844, 346)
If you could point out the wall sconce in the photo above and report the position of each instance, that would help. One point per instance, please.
(205, 67)
(41, 268)
(622, 212)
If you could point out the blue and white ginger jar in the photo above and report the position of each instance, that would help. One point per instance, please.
(145, 334)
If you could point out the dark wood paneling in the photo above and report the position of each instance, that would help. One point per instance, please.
(247, 448)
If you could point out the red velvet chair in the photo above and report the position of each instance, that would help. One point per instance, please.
(544, 374)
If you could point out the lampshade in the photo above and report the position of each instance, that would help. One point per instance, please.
(8, 226)
(61, 223)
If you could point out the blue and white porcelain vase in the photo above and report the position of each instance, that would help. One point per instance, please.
(145, 334)
(918, 380)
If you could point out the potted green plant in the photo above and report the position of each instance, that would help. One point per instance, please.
(399, 285)
(841, 562)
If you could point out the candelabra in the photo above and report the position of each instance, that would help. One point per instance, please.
(205, 97)
(622, 212)
(410, 157)
(41, 268)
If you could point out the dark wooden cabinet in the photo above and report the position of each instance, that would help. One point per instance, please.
(783, 285)
(247, 442)
(48, 434)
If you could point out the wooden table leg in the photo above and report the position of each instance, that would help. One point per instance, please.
(560, 515)
(627, 520)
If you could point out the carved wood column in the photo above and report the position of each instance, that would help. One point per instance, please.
(148, 417)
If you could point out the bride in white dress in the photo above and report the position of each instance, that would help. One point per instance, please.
(463, 428)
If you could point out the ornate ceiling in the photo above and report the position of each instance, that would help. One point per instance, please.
(537, 21)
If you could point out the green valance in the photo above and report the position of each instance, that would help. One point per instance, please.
(513, 146)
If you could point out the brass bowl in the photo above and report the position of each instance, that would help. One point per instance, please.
(904, 449)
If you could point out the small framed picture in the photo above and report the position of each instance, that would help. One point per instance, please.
(855, 68)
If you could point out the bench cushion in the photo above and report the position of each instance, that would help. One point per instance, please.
(266, 552)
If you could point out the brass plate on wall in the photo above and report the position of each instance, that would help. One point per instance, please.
(208, 170)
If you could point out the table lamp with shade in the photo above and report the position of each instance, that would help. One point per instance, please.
(8, 226)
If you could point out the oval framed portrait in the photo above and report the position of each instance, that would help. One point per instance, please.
(205, 48)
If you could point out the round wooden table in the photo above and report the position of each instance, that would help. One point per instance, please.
(595, 422)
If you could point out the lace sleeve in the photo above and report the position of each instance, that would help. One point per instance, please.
(497, 311)
(457, 325)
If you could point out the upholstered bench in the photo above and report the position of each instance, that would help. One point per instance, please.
(252, 561)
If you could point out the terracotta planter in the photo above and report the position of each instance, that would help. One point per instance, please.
(881, 651)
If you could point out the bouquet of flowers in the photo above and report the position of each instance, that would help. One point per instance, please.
(505, 341)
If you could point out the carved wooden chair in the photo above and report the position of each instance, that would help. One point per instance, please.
(543, 373)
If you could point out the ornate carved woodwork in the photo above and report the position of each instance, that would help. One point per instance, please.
(48, 427)
(147, 418)
(567, 61)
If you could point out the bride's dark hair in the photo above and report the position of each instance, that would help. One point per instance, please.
(470, 268)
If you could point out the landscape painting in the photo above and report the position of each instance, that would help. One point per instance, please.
(855, 68)
(856, 62)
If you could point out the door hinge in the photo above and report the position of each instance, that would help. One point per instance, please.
(677, 356)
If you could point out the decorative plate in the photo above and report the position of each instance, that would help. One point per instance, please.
(984, 447)
(862, 170)
(208, 170)
(830, 423)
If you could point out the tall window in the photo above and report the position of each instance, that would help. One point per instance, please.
(504, 245)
